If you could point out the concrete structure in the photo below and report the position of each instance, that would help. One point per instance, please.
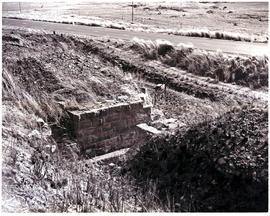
(110, 128)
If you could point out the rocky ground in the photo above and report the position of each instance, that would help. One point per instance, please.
(44, 75)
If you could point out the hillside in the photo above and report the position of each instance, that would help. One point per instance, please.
(43, 76)
(213, 126)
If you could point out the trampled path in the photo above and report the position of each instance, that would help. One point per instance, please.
(232, 47)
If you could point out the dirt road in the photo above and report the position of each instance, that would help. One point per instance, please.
(232, 47)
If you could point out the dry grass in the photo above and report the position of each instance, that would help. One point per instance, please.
(212, 34)
(246, 71)
(35, 180)
(40, 174)
(52, 16)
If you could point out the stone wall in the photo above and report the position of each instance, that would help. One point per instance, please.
(110, 128)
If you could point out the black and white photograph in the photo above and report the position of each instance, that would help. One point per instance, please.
(121, 106)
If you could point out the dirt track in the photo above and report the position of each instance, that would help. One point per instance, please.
(233, 47)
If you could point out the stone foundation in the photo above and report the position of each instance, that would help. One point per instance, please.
(111, 128)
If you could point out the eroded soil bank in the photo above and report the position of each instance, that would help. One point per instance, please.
(211, 154)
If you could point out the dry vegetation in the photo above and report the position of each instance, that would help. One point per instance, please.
(238, 21)
(37, 90)
(98, 22)
(245, 71)
(44, 75)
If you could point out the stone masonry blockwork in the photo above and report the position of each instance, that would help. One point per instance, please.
(109, 128)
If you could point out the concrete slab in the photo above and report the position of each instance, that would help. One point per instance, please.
(148, 128)
(110, 155)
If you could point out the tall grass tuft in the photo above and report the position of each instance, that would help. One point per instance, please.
(250, 72)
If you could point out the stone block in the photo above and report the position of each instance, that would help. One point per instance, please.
(147, 110)
(112, 117)
(87, 123)
(107, 126)
(148, 129)
(130, 134)
(89, 115)
(127, 108)
(97, 122)
(141, 117)
(130, 122)
(74, 115)
(108, 134)
(112, 143)
(110, 128)
(104, 112)
(136, 106)
(128, 142)
(90, 131)
(92, 138)
(120, 129)
(117, 108)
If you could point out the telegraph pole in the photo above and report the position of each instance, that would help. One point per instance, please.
(20, 7)
(132, 13)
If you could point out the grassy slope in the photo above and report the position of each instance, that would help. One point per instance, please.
(240, 135)
(79, 74)
(121, 52)
(42, 74)
(245, 71)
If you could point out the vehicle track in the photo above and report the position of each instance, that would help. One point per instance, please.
(226, 46)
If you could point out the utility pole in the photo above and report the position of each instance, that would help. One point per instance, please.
(20, 7)
(132, 13)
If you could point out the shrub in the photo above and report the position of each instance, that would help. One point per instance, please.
(163, 47)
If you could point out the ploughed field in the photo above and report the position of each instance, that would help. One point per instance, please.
(212, 154)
